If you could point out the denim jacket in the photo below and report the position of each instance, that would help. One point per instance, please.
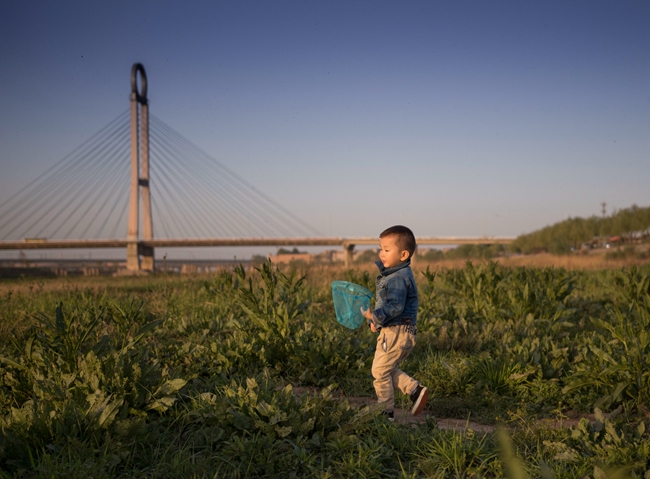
(396, 300)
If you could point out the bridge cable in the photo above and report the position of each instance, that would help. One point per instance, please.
(162, 226)
(203, 190)
(69, 155)
(181, 139)
(97, 192)
(235, 200)
(183, 224)
(94, 188)
(210, 192)
(168, 210)
(161, 182)
(240, 204)
(53, 185)
(75, 164)
(185, 196)
(120, 221)
(268, 201)
(73, 193)
(120, 190)
(79, 184)
(215, 214)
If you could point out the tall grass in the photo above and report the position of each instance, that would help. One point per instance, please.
(197, 377)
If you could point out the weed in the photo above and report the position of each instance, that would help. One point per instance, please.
(244, 374)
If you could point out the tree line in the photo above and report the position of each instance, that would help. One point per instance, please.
(626, 225)
(623, 226)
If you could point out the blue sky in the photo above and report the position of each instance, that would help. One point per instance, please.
(454, 118)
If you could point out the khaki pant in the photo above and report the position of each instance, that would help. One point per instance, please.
(394, 344)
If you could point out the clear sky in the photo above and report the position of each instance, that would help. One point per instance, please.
(452, 117)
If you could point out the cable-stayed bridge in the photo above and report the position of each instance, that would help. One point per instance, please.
(91, 194)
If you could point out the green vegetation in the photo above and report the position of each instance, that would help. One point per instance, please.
(290, 251)
(367, 256)
(472, 251)
(630, 223)
(430, 255)
(247, 374)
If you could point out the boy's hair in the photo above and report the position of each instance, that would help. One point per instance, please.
(405, 238)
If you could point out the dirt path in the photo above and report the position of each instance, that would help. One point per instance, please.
(403, 416)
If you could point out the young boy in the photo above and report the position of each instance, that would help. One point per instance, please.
(394, 317)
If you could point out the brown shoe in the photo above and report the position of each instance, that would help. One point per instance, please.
(419, 397)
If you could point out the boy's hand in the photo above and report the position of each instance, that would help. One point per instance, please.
(368, 315)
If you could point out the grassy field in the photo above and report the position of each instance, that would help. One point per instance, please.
(592, 260)
(247, 374)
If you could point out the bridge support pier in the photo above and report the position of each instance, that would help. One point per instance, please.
(349, 254)
(132, 257)
(139, 258)
(147, 263)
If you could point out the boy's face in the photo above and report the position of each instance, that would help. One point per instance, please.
(390, 253)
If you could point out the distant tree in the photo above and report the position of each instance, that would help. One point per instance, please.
(475, 251)
(366, 256)
(560, 237)
(430, 255)
(293, 251)
(258, 259)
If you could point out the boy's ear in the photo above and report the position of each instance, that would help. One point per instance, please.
(404, 255)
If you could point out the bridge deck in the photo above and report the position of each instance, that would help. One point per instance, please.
(170, 243)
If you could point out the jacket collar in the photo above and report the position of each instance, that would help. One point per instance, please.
(383, 271)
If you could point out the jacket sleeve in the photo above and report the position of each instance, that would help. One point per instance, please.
(393, 303)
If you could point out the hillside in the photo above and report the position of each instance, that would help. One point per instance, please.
(626, 225)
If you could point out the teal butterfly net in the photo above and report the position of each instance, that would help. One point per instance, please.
(349, 298)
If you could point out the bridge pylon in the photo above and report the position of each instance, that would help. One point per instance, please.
(138, 256)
